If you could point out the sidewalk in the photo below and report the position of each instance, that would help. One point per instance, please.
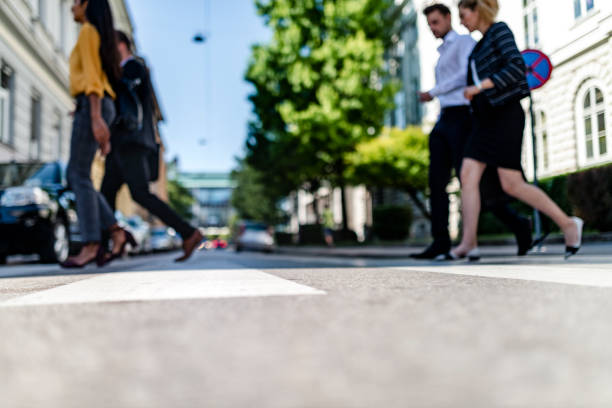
(593, 244)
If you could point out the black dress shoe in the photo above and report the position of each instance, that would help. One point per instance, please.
(430, 253)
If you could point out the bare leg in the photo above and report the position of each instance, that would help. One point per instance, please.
(513, 183)
(471, 173)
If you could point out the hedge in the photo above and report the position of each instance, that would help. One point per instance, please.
(392, 223)
(586, 194)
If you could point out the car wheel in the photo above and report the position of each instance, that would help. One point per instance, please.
(57, 246)
(239, 248)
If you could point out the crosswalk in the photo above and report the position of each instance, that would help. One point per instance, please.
(166, 285)
(593, 275)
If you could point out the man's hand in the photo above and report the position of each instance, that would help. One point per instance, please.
(101, 134)
(425, 97)
(470, 92)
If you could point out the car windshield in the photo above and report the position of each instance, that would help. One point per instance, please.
(29, 174)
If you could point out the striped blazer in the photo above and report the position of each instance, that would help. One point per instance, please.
(497, 57)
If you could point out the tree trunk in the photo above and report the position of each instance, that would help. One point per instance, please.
(344, 212)
(315, 208)
(314, 190)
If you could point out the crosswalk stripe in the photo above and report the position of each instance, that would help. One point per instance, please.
(571, 274)
(167, 285)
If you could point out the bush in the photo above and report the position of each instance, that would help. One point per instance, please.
(283, 238)
(392, 223)
(489, 224)
(346, 236)
(311, 234)
(590, 192)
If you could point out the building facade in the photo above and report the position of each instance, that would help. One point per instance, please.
(212, 209)
(35, 41)
(572, 111)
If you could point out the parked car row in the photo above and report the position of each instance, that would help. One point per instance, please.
(38, 216)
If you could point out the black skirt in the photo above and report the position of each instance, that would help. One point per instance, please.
(497, 135)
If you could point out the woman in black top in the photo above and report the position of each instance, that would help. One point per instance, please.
(497, 82)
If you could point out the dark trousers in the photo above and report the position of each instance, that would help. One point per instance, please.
(446, 146)
(129, 164)
(95, 215)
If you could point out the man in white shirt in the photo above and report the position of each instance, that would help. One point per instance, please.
(449, 137)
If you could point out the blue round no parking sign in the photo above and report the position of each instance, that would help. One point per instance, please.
(539, 68)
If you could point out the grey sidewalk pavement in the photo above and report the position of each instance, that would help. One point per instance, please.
(398, 251)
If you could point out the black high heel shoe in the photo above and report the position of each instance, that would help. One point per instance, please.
(70, 263)
(129, 239)
(573, 250)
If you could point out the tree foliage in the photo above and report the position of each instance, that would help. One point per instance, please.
(180, 199)
(319, 88)
(253, 198)
(398, 159)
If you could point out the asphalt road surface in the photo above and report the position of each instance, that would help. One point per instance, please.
(255, 330)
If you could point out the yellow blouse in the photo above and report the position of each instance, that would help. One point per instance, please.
(86, 73)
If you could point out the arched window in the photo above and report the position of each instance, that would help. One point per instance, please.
(593, 140)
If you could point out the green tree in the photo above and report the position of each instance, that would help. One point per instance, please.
(180, 199)
(319, 89)
(397, 159)
(253, 198)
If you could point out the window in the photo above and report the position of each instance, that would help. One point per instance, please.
(7, 103)
(4, 116)
(35, 125)
(42, 12)
(582, 7)
(593, 140)
(530, 23)
(542, 131)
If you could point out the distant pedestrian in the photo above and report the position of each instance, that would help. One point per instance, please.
(497, 82)
(135, 149)
(328, 226)
(94, 66)
(448, 138)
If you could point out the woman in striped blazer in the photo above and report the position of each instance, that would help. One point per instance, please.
(496, 85)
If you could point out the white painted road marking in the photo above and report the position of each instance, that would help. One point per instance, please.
(167, 285)
(571, 274)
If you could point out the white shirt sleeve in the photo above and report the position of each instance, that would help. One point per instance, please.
(458, 80)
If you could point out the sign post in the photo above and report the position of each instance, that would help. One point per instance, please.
(539, 70)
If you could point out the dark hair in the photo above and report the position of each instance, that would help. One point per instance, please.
(124, 38)
(445, 11)
(100, 16)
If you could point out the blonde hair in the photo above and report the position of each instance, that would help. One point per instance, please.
(487, 9)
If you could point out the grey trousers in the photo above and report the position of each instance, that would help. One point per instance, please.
(93, 211)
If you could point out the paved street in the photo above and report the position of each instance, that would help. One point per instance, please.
(256, 330)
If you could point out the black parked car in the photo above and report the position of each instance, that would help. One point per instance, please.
(37, 211)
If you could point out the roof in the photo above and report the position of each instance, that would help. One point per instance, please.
(194, 181)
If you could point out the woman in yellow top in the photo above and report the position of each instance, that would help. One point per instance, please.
(94, 67)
